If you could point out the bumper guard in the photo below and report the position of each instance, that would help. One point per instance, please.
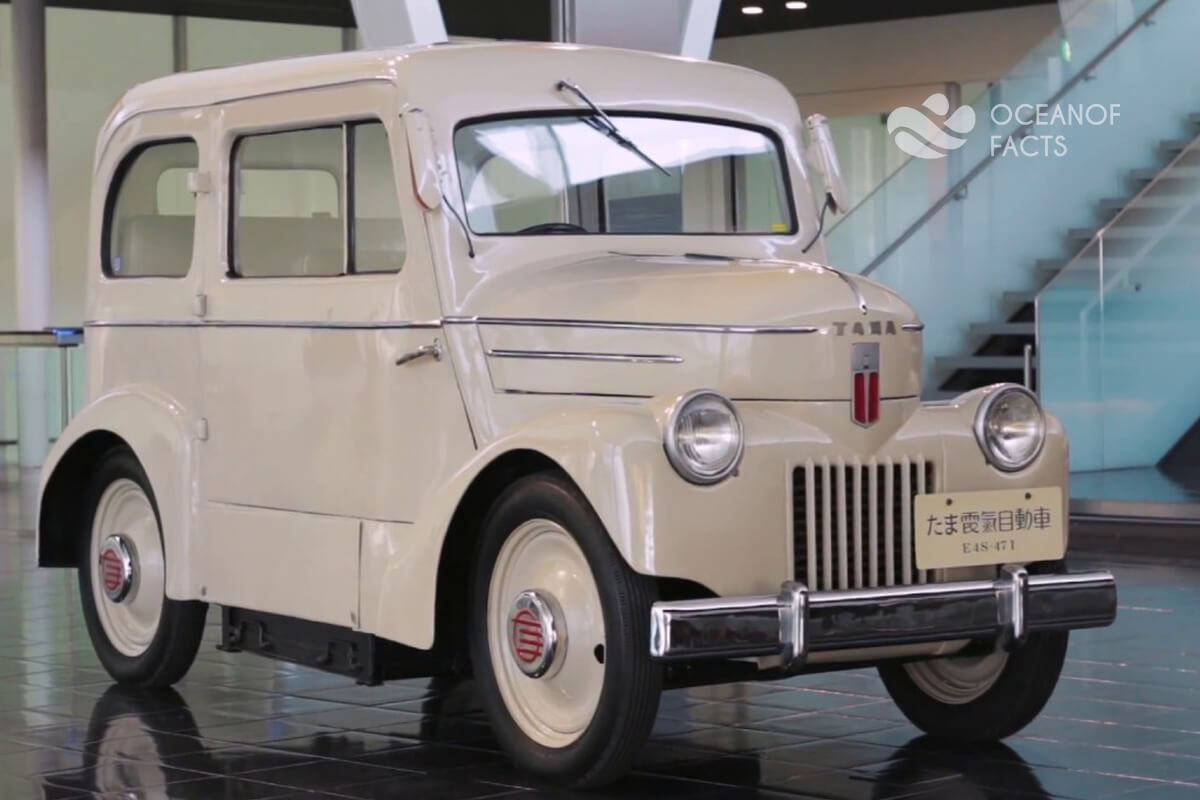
(797, 622)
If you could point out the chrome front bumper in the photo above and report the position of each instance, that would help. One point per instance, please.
(797, 622)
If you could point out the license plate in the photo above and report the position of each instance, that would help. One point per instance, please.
(967, 529)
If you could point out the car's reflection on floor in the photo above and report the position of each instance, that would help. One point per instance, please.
(148, 744)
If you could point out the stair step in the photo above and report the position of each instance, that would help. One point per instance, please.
(1010, 299)
(1147, 174)
(955, 363)
(1082, 234)
(1109, 207)
(1175, 146)
(1047, 268)
(986, 329)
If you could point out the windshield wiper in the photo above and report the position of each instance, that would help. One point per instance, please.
(604, 124)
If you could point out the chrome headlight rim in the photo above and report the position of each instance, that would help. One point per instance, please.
(683, 467)
(998, 460)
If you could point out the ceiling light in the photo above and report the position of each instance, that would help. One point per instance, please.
(795, 5)
(752, 10)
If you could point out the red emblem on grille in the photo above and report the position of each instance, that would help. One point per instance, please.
(528, 638)
(112, 569)
(864, 369)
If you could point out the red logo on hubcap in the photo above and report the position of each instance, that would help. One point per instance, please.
(528, 638)
(112, 569)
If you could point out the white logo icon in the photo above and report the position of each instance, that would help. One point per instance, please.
(919, 136)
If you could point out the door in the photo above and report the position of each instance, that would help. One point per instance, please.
(324, 285)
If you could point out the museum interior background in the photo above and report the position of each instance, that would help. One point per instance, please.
(1073, 271)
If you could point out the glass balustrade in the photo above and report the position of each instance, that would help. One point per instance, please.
(56, 359)
(959, 235)
(1118, 331)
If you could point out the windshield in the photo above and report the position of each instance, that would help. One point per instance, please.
(566, 175)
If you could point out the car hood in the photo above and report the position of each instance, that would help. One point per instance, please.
(645, 325)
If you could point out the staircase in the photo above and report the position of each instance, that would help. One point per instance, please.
(1004, 342)
(973, 240)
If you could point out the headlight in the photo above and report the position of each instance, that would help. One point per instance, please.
(1011, 428)
(704, 438)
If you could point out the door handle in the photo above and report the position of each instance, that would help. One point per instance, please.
(434, 350)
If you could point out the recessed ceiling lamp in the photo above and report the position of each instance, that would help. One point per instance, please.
(752, 10)
(795, 5)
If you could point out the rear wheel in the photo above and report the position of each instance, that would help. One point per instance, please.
(560, 637)
(983, 698)
(141, 636)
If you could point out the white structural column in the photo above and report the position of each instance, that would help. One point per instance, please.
(679, 27)
(31, 223)
(388, 23)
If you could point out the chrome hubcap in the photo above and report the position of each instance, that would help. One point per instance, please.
(958, 681)
(117, 567)
(534, 639)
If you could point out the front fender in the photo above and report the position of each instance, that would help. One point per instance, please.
(614, 454)
(157, 429)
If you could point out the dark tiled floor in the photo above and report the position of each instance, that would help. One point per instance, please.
(1125, 721)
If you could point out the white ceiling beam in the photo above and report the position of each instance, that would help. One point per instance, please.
(677, 27)
(392, 23)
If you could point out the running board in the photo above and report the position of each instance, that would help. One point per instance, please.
(365, 657)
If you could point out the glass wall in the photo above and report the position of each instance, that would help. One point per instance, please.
(225, 42)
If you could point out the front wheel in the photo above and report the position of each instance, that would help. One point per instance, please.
(979, 699)
(142, 637)
(560, 637)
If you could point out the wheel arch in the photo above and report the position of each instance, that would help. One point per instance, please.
(461, 542)
(60, 515)
(154, 427)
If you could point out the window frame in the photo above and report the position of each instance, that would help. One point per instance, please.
(785, 172)
(116, 183)
(346, 204)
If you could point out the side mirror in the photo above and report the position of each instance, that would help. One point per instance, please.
(823, 155)
(423, 158)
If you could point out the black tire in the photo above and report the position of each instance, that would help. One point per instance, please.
(181, 625)
(1017, 697)
(632, 682)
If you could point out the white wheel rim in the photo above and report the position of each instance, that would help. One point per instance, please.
(957, 681)
(125, 511)
(555, 709)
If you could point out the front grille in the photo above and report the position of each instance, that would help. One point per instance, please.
(852, 523)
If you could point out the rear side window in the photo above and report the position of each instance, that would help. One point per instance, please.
(315, 202)
(149, 230)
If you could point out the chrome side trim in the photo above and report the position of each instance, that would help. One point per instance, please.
(535, 322)
(515, 321)
(796, 622)
(560, 355)
(221, 323)
(913, 327)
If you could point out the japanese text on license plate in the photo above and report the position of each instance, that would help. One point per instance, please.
(961, 529)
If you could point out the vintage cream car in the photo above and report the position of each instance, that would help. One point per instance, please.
(515, 360)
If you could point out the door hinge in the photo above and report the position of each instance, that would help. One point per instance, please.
(200, 427)
(200, 305)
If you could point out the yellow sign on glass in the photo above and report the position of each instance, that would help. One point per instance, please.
(965, 529)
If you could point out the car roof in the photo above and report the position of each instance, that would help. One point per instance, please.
(455, 72)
